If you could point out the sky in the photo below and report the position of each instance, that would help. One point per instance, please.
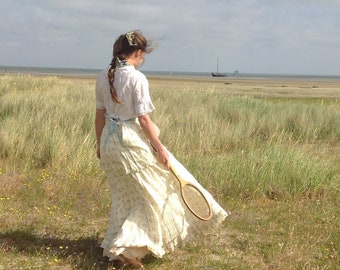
(251, 36)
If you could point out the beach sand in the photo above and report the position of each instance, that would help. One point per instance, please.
(259, 87)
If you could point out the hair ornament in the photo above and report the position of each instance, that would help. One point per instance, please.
(130, 36)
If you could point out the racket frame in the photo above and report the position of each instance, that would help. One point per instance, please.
(183, 183)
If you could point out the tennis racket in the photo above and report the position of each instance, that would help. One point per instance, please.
(193, 198)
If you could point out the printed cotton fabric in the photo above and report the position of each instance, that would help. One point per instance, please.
(147, 212)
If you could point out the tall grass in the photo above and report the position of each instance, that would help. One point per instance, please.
(250, 153)
(46, 123)
(260, 148)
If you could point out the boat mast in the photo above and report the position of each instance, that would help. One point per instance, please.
(217, 64)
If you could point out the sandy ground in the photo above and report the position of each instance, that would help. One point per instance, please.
(260, 87)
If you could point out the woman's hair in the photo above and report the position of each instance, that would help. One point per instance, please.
(123, 47)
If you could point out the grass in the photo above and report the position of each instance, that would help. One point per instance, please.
(271, 159)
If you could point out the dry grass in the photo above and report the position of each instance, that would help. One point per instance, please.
(273, 163)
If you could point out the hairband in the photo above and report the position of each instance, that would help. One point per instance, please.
(130, 36)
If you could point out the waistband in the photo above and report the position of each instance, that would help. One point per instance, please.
(115, 126)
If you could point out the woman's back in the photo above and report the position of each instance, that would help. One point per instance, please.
(132, 90)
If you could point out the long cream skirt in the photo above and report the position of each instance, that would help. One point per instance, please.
(147, 213)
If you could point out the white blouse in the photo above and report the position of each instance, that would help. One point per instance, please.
(132, 89)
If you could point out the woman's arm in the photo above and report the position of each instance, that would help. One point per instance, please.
(150, 132)
(99, 125)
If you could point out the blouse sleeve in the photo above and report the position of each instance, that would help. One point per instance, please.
(141, 97)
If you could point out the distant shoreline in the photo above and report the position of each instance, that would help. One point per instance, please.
(255, 86)
(92, 73)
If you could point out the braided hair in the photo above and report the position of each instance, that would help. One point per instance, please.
(123, 47)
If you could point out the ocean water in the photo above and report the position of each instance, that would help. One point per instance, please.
(48, 71)
(94, 72)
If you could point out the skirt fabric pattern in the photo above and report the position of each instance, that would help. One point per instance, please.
(147, 212)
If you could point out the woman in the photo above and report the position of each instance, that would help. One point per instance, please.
(147, 213)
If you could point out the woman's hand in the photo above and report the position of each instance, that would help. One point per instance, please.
(163, 156)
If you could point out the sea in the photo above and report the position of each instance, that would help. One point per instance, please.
(53, 71)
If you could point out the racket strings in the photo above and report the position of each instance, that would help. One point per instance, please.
(196, 202)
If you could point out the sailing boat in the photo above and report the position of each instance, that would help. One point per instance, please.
(217, 74)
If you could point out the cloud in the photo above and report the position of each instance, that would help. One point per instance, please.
(249, 35)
